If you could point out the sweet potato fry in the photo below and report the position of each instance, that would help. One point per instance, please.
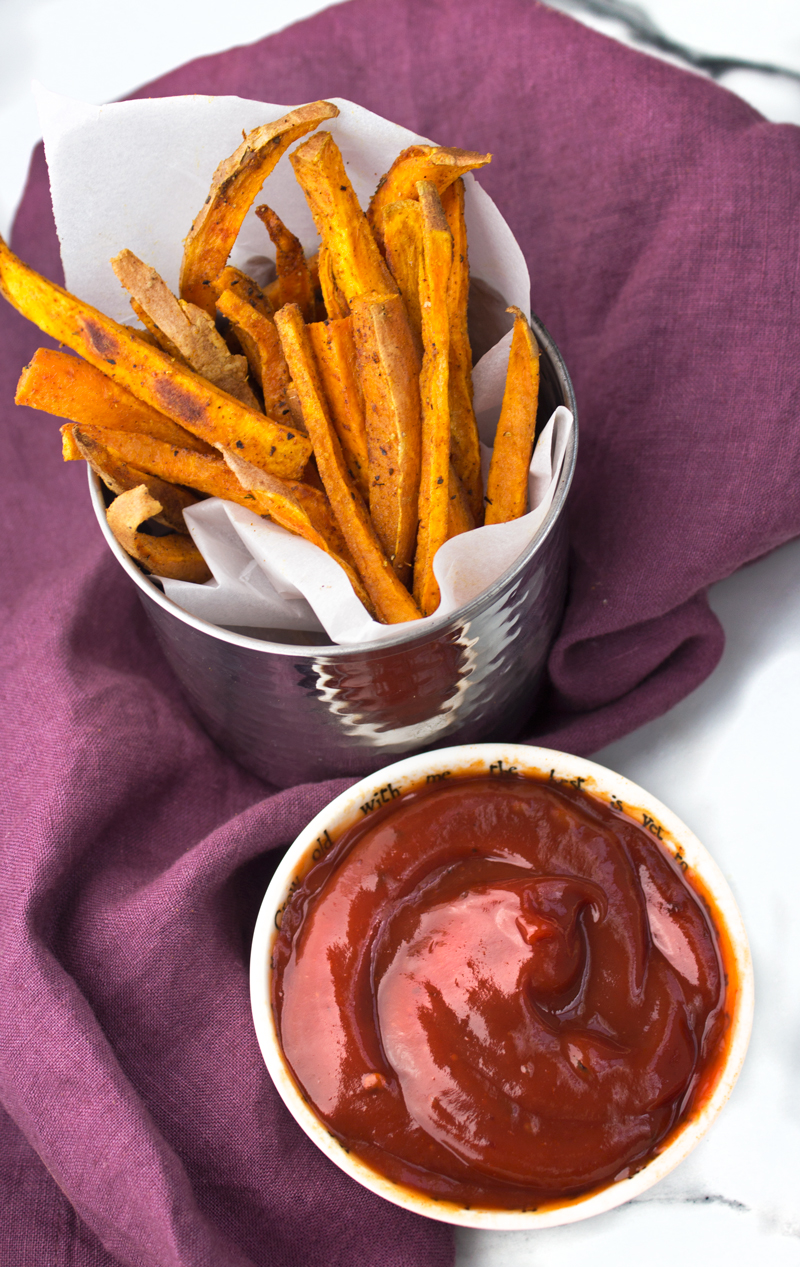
(157, 337)
(437, 255)
(186, 327)
(149, 373)
(391, 600)
(313, 267)
(294, 277)
(335, 354)
(119, 475)
(144, 336)
(311, 476)
(304, 511)
(507, 482)
(356, 261)
(438, 165)
(234, 279)
(307, 503)
(234, 188)
(176, 557)
(210, 356)
(69, 449)
(257, 334)
(319, 303)
(388, 367)
(465, 448)
(334, 302)
(402, 226)
(459, 515)
(301, 509)
(296, 407)
(207, 473)
(70, 388)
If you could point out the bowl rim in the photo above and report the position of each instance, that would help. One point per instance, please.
(408, 637)
(466, 759)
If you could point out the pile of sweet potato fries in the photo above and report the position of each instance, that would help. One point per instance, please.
(337, 400)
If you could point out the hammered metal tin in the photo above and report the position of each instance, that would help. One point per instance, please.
(294, 713)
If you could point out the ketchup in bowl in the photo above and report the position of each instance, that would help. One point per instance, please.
(500, 991)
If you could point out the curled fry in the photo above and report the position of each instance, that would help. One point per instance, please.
(176, 557)
(120, 476)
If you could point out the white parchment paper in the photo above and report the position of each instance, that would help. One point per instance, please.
(134, 174)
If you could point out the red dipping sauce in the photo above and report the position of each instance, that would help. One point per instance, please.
(500, 992)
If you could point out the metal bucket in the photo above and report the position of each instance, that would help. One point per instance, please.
(294, 713)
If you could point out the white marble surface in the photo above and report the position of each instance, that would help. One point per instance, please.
(725, 759)
(768, 33)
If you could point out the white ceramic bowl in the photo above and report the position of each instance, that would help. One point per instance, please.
(477, 759)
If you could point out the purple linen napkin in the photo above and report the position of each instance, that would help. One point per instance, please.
(658, 216)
